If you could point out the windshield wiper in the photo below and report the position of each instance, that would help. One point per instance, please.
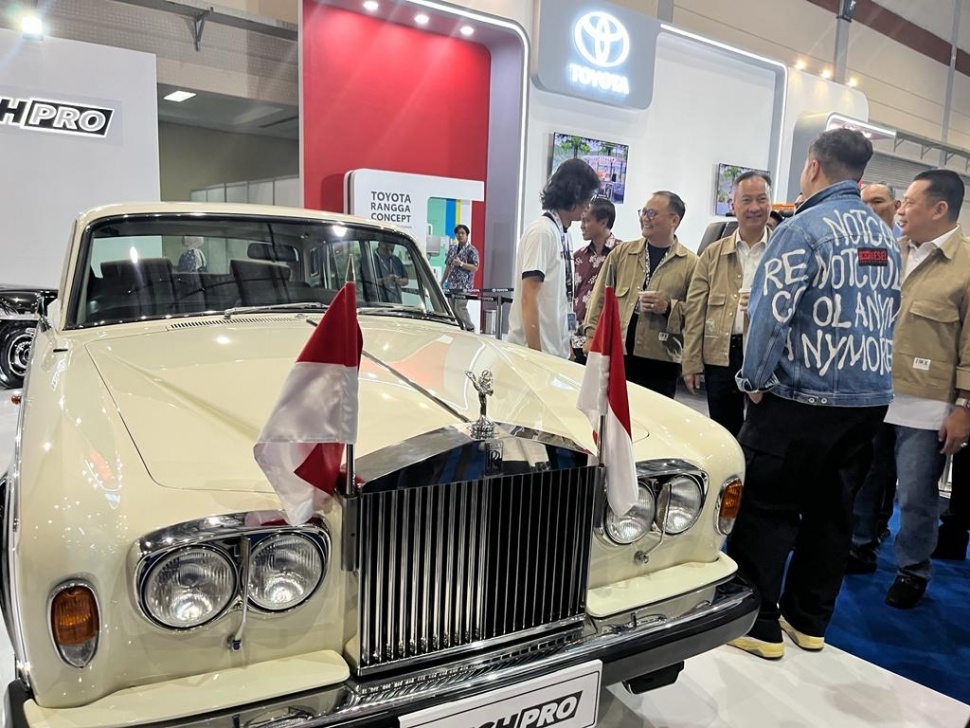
(397, 310)
(300, 306)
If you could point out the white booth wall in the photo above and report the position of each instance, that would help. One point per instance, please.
(50, 177)
(711, 104)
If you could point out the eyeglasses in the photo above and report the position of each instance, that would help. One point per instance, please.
(651, 214)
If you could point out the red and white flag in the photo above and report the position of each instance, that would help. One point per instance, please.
(603, 394)
(301, 447)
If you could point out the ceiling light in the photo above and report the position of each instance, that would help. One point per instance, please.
(467, 30)
(371, 6)
(853, 82)
(800, 65)
(32, 26)
(422, 19)
(179, 96)
(826, 73)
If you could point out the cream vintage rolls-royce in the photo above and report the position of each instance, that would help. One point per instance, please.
(467, 575)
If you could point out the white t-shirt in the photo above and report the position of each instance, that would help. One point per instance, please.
(541, 249)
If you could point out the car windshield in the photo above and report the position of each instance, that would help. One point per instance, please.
(139, 268)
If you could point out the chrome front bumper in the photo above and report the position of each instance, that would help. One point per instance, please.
(629, 645)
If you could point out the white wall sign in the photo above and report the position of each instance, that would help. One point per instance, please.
(96, 107)
(595, 50)
(401, 198)
(55, 116)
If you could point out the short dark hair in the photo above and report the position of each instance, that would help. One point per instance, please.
(674, 202)
(750, 174)
(602, 209)
(462, 226)
(841, 153)
(944, 185)
(572, 183)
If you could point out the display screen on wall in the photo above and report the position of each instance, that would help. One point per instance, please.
(726, 174)
(608, 159)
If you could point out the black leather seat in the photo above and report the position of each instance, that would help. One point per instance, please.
(134, 289)
(261, 283)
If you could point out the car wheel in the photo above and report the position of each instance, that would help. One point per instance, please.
(14, 354)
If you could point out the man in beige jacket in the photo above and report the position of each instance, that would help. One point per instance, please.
(716, 302)
(930, 373)
(650, 276)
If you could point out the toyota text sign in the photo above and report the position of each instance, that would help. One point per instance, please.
(55, 116)
(596, 51)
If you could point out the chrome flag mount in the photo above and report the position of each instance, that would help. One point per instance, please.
(301, 447)
(603, 399)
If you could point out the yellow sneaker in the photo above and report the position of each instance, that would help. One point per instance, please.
(805, 641)
(760, 648)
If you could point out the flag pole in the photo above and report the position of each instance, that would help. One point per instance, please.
(351, 277)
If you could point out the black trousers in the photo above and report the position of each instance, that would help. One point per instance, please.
(804, 465)
(725, 401)
(656, 375)
(875, 496)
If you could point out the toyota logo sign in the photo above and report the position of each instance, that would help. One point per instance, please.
(602, 39)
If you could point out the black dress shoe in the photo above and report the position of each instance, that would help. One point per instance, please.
(859, 565)
(906, 591)
(951, 544)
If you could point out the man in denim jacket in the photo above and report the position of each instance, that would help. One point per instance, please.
(817, 366)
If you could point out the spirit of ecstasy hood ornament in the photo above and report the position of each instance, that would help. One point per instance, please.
(483, 428)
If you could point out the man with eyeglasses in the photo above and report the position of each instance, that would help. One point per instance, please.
(717, 301)
(650, 277)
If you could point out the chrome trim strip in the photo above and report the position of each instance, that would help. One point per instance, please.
(356, 702)
(421, 447)
(221, 532)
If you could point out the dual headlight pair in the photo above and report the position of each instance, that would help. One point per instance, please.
(193, 585)
(674, 508)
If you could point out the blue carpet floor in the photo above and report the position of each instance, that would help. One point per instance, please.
(929, 644)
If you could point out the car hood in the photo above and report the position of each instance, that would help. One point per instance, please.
(195, 399)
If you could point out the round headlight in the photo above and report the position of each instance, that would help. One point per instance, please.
(680, 502)
(190, 587)
(632, 526)
(284, 571)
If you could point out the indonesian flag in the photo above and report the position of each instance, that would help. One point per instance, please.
(301, 447)
(603, 394)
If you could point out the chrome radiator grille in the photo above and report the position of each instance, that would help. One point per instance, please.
(445, 566)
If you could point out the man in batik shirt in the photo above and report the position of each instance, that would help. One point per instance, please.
(596, 226)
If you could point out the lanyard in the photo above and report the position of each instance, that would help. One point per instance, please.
(567, 259)
(649, 273)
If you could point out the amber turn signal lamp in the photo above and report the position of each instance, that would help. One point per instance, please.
(75, 623)
(15, 398)
(729, 503)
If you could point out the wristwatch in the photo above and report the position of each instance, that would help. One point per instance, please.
(962, 402)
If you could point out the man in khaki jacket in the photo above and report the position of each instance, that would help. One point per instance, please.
(650, 276)
(716, 301)
(930, 374)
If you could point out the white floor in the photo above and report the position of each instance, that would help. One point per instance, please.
(727, 688)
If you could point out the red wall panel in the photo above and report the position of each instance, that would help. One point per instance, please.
(387, 96)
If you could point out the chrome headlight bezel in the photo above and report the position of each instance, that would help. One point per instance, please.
(266, 542)
(227, 534)
(158, 563)
(689, 490)
(645, 512)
